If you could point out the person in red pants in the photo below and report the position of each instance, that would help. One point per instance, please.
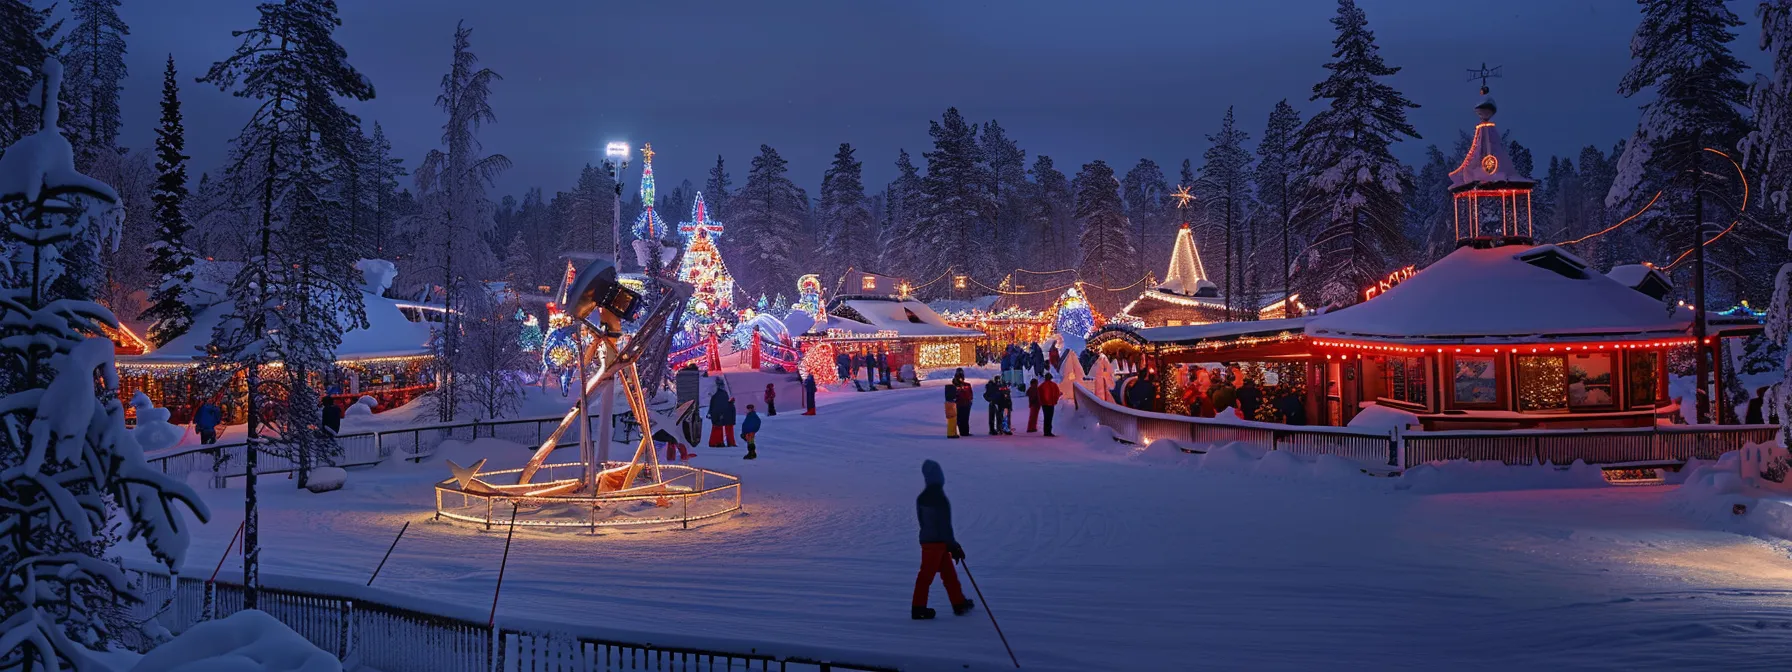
(938, 547)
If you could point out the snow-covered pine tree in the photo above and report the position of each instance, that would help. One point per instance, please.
(1681, 52)
(769, 214)
(22, 33)
(957, 206)
(535, 232)
(295, 293)
(1521, 157)
(1357, 183)
(169, 312)
(382, 172)
(1430, 210)
(852, 241)
(1108, 257)
(1278, 167)
(1144, 190)
(716, 193)
(1597, 173)
(1768, 150)
(904, 201)
(1005, 165)
(1226, 174)
(492, 360)
(68, 469)
(1053, 210)
(93, 51)
(458, 213)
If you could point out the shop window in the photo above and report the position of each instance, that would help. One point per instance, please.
(1542, 383)
(1643, 378)
(867, 283)
(1590, 378)
(1474, 382)
(1406, 380)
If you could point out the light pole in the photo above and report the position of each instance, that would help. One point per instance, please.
(616, 156)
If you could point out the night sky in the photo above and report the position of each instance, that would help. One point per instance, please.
(1116, 80)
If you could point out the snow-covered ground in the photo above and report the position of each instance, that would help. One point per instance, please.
(1095, 556)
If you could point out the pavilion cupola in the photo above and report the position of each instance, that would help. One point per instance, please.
(1492, 197)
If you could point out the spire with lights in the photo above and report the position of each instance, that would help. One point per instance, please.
(648, 226)
(1492, 197)
(1186, 275)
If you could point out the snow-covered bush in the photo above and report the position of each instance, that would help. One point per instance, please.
(68, 468)
(246, 641)
(362, 406)
(325, 479)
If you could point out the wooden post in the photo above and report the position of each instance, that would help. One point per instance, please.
(1717, 381)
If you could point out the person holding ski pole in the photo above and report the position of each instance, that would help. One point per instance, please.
(938, 547)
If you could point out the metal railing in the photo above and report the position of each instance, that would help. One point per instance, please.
(1403, 449)
(365, 629)
(359, 449)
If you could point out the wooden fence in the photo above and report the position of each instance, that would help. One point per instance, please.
(1403, 449)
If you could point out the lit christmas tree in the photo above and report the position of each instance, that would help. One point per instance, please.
(712, 288)
(648, 226)
(819, 362)
(531, 335)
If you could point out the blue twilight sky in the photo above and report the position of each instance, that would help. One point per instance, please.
(1079, 80)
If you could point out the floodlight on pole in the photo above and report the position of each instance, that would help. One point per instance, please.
(617, 150)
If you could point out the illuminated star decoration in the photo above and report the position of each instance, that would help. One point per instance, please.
(1182, 196)
(647, 152)
(466, 475)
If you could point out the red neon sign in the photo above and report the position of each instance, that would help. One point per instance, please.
(1388, 283)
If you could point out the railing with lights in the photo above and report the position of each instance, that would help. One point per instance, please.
(1403, 450)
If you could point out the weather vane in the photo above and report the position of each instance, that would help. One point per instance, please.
(1182, 195)
(1484, 73)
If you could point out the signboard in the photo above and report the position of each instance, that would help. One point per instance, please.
(1388, 283)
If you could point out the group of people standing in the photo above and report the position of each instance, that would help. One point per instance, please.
(876, 365)
(998, 393)
(1019, 360)
(1207, 392)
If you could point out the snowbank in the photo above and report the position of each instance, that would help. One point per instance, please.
(1383, 418)
(153, 431)
(325, 479)
(362, 407)
(246, 641)
(1466, 476)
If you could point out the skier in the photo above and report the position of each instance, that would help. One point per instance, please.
(721, 416)
(952, 410)
(749, 427)
(965, 396)
(809, 394)
(938, 547)
(1048, 401)
(1033, 405)
(771, 400)
(206, 422)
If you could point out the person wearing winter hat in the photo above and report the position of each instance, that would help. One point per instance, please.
(749, 428)
(938, 547)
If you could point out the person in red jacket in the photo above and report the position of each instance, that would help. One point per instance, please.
(1032, 406)
(965, 397)
(1048, 401)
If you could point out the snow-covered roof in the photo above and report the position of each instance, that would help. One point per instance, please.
(1194, 333)
(868, 316)
(388, 334)
(1505, 293)
(1486, 165)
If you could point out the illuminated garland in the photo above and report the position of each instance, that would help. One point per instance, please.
(1542, 383)
(939, 355)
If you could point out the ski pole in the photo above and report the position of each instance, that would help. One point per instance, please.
(991, 612)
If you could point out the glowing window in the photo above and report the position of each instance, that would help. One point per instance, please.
(868, 283)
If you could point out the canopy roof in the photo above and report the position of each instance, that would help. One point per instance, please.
(1504, 294)
(1487, 166)
(866, 316)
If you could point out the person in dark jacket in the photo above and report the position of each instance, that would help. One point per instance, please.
(771, 400)
(332, 419)
(721, 416)
(1754, 416)
(1037, 359)
(939, 548)
(1293, 411)
(870, 370)
(1249, 398)
(1054, 358)
(883, 367)
(843, 366)
(992, 394)
(1143, 394)
(1033, 405)
(749, 428)
(206, 420)
(1005, 408)
(965, 399)
(809, 394)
